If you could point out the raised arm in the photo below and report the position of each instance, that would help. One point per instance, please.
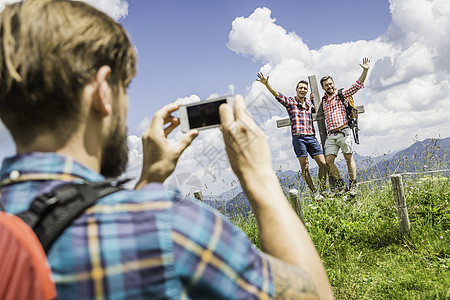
(296, 266)
(365, 65)
(360, 83)
(265, 81)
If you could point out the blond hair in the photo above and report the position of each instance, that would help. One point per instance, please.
(49, 50)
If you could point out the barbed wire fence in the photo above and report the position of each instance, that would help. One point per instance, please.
(398, 191)
(398, 194)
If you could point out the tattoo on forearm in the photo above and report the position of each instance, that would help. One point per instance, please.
(291, 282)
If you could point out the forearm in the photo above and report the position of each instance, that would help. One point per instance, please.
(365, 65)
(355, 87)
(282, 234)
(292, 282)
(271, 90)
(277, 221)
(363, 75)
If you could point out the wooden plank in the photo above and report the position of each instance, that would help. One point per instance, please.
(287, 122)
(283, 122)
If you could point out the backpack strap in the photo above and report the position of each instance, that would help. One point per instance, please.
(50, 213)
(341, 97)
(2, 207)
(349, 109)
(352, 116)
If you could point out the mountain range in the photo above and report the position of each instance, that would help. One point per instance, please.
(429, 154)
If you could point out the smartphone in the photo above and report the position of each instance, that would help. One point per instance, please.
(203, 114)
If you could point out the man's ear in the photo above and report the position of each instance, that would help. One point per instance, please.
(103, 97)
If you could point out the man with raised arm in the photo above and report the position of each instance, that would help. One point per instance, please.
(64, 70)
(339, 133)
(304, 140)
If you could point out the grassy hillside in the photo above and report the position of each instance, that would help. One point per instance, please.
(361, 247)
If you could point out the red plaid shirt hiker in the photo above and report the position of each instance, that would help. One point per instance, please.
(301, 117)
(334, 110)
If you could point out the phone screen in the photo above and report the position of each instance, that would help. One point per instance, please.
(205, 114)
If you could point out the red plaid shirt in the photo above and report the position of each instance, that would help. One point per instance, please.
(334, 110)
(301, 117)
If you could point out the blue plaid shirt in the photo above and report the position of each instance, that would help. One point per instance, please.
(145, 244)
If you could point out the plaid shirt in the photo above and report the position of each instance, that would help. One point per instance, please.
(145, 244)
(301, 117)
(334, 110)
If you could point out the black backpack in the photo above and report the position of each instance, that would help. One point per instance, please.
(49, 214)
(352, 115)
(24, 270)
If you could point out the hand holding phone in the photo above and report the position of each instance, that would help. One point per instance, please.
(160, 156)
(203, 114)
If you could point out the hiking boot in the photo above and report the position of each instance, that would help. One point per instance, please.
(340, 187)
(317, 196)
(353, 189)
(328, 194)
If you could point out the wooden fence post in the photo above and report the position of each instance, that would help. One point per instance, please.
(400, 202)
(198, 195)
(294, 199)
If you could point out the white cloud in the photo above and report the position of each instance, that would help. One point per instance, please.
(3, 3)
(231, 89)
(115, 8)
(187, 100)
(206, 160)
(255, 36)
(135, 159)
(407, 88)
(406, 95)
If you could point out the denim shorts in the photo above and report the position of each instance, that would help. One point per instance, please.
(341, 140)
(304, 144)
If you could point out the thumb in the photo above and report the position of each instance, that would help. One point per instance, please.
(186, 140)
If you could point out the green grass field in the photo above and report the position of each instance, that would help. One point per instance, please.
(361, 247)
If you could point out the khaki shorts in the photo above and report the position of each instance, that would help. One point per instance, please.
(336, 141)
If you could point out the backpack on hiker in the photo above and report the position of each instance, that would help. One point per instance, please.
(352, 114)
(24, 269)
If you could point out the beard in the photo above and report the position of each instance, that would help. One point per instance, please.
(330, 91)
(115, 153)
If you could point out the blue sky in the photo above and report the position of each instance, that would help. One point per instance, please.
(182, 45)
